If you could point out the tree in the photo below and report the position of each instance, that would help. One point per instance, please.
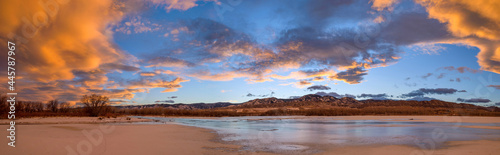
(53, 105)
(64, 107)
(4, 106)
(38, 106)
(95, 105)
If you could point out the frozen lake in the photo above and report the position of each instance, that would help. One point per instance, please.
(307, 134)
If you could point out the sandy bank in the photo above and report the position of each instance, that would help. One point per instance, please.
(114, 139)
(72, 120)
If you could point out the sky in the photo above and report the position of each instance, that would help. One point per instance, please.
(192, 51)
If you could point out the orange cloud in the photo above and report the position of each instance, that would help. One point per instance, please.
(467, 18)
(148, 74)
(170, 86)
(476, 23)
(380, 5)
(66, 49)
(223, 76)
(299, 84)
(162, 71)
(300, 75)
(66, 91)
(58, 37)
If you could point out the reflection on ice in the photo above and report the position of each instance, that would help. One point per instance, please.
(280, 134)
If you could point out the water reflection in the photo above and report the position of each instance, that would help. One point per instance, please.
(287, 133)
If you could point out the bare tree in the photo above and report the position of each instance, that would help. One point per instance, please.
(64, 107)
(38, 106)
(53, 105)
(94, 104)
(30, 106)
(3, 106)
(21, 106)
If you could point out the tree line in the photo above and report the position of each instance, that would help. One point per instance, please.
(97, 105)
(92, 105)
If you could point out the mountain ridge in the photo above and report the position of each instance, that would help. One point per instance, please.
(313, 100)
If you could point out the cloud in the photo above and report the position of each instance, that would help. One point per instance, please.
(265, 95)
(425, 91)
(165, 61)
(72, 35)
(439, 91)
(314, 13)
(318, 87)
(92, 79)
(68, 50)
(138, 25)
(148, 74)
(494, 86)
(427, 48)
(383, 96)
(421, 98)
(303, 83)
(170, 86)
(172, 97)
(474, 100)
(168, 72)
(334, 94)
(427, 75)
(66, 91)
(461, 69)
(381, 5)
(299, 84)
(312, 74)
(415, 29)
(497, 104)
(441, 75)
(75, 50)
(164, 101)
(182, 5)
(466, 18)
(96, 82)
(373, 95)
(318, 78)
(115, 102)
(232, 54)
(337, 49)
(116, 93)
(119, 67)
(174, 33)
(223, 76)
(474, 23)
(351, 76)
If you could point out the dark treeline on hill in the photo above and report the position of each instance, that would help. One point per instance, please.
(308, 105)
